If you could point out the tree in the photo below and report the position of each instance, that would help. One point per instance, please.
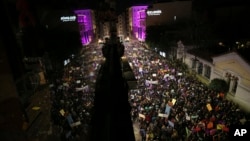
(219, 85)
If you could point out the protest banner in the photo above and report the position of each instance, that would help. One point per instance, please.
(170, 123)
(173, 101)
(194, 116)
(151, 82)
(66, 84)
(162, 115)
(62, 112)
(142, 116)
(35, 108)
(76, 124)
(188, 117)
(179, 74)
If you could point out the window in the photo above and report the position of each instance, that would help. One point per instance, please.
(81, 18)
(142, 23)
(232, 81)
(235, 87)
(143, 15)
(227, 78)
(235, 84)
(200, 68)
(207, 71)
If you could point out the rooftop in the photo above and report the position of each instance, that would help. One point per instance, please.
(209, 52)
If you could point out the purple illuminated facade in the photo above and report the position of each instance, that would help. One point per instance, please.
(84, 19)
(139, 22)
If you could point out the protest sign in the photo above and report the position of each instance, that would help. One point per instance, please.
(62, 112)
(162, 115)
(142, 116)
(170, 123)
(76, 124)
(173, 101)
(167, 109)
(209, 107)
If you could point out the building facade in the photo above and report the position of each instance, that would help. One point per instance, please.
(168, 12)
(106, 29)
(236, 72)
(137, 22)
(230, 67)
(121, 27)
(142, 16)
(87, 26)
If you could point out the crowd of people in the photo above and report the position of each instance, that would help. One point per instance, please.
(171, 105)
(72, 94)
(167, 104)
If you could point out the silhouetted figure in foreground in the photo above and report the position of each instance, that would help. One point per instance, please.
(111, 119)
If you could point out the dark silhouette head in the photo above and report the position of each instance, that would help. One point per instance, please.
(111, 119)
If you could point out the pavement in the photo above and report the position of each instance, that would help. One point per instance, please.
(40, 125)
(11, 120)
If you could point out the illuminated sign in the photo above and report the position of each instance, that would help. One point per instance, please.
(68, 18)
(154, 13)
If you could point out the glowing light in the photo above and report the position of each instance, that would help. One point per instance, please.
(100, 41)
(68, 18)
(127, 39)
(139, 22)
(221, 44)
(154, 13)
(84, 20)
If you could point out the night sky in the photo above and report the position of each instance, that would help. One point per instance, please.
(202, 6)
(122, 4)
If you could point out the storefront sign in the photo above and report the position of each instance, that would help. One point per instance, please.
(154, 13)
(68, 18)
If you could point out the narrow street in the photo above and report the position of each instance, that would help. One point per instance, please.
(41, 127)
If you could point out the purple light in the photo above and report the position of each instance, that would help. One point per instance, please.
(84, 19)
(139, 22)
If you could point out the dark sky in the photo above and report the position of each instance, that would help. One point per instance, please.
(121, 4)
